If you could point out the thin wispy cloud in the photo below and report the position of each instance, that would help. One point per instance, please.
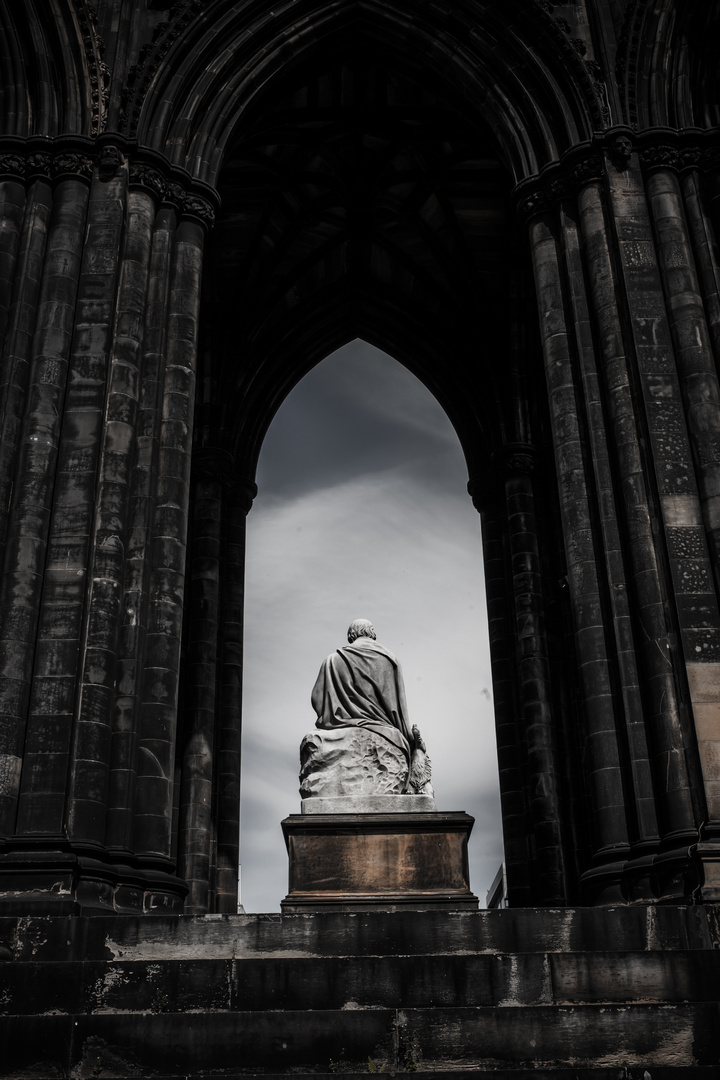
(363, 515)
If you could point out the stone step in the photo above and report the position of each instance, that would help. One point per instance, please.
(483, 993)
(271, 983)
(520, 930)
(423, 1040)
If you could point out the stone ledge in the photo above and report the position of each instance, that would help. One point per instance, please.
(370, 804)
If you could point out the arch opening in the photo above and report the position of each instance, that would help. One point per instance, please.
(346, 215)
(361, 511)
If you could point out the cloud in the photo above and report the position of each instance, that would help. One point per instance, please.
(391, 537)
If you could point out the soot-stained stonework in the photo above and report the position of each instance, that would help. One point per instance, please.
(520, 203)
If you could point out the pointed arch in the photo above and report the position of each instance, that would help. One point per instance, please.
(52, 76)
(206, 67)
(667, 64)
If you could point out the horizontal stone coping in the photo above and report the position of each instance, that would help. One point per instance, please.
(370, 804)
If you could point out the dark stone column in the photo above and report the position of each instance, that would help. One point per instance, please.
(29, 524)
(196, 839)
(694, 585)
(17, 349)
(89, 802)
(489, 499)
(567, 343)
(585, 245)
(543, 771)
(156, 744)
(657, 402)
(238, 497)
(136, 599)
(705, 250)
(56, 739)
(209, 818)
(12, 206)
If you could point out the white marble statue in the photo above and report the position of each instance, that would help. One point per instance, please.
(363, 745)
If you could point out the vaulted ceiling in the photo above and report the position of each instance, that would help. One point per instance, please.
(361, 201)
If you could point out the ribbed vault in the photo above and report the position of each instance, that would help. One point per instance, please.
(52, 78)
(360, 200)
(522, 73)
(669, 52)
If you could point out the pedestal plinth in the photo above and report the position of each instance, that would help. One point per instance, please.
(378, 862)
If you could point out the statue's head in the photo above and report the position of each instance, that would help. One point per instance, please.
(360, 628)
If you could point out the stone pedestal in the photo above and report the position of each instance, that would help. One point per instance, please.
(378, 862)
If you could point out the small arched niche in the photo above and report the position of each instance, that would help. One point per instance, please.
(362, 512)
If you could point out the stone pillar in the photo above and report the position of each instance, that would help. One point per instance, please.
(159, 694)
(601, 379)
(537, 845)
(135, 601)
(567, 344)
(488, 498)
(550, 885)
(197, 827)
(209, 812)
(238, 498)
(45, 747)
(96, 422)
(634, 410)
(698, 379)
(666, 541)
(18, 337)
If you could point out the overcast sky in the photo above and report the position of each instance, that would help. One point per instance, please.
(362, 512)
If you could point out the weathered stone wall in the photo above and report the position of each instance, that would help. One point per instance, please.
(536, 238)
(588, 993)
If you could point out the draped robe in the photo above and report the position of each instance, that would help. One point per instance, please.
(361, 685)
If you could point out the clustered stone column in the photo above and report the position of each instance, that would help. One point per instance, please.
(209, 832)
(99, 296)
(623, 253)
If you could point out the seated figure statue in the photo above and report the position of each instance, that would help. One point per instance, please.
(364, 745)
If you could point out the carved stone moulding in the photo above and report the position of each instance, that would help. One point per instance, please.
(58, 880)
(513, 459)
(51, 159)
(214, 464)
(151, 56)
(75, 156)
(172, 186)
(559, 180)
(678, 150)
(659, 148)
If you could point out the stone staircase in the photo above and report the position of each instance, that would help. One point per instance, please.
(627, 992)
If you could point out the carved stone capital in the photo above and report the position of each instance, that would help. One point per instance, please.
(514, 459)
(211, 463)
(148, 177)
(72, 165)
(517, 458)
(241, 493)
(12, 166)
(560, 181)
(173, 188)
(679, 150)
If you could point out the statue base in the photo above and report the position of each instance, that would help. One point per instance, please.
(378, 862)
(370, 804)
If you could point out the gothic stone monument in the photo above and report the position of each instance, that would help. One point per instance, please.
(369, 836)
(201, 199)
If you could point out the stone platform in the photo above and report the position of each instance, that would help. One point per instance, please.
(361, 862)
(580, 994)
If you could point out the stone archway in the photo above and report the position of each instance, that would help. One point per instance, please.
(588, 414)
(358, 200)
